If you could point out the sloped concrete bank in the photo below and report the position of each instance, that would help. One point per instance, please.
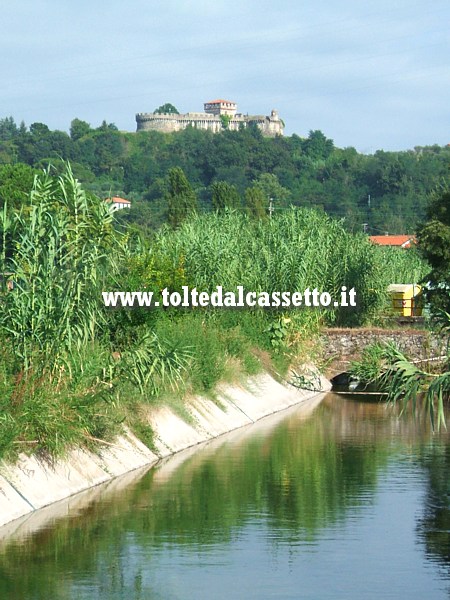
(31, 484)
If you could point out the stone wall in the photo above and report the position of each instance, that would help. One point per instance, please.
(342, 344)
(270, 126)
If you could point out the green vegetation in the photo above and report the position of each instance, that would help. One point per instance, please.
(72, 371)
(59, 381)
(402, 266)
(225, 119)
(180, 197)
(368, 369)
(406, 381)
(167, 109)
(255, 203)
(410, 383)
(224, 195)
(387, 190)
(298, 249)
(59, 250)
(16, 182)
(434, 239)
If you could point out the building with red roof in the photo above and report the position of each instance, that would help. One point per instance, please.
(220, 107)
(400, 241)
(118, 203)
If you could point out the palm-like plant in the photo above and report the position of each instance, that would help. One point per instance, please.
(150, 363)
(408, 383)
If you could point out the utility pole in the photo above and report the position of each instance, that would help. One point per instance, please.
(365, 225)
(271, 208)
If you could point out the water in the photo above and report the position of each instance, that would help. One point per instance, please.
(342, 501)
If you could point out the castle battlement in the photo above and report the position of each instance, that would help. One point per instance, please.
(218, 115)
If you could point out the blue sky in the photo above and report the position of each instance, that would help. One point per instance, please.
(373, 75)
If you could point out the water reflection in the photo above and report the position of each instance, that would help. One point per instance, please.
(254, 508)
(434, 525)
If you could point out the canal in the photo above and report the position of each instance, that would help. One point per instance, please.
(340, 499)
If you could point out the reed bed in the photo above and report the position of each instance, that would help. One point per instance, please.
(295, 250)
(72, 371)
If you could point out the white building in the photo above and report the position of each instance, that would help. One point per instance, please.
(119, 203)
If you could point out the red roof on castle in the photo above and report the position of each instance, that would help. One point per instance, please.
(403, 241)
(220, 102)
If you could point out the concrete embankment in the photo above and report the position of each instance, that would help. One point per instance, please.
(31, 483)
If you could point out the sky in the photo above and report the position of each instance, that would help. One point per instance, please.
(372, 75)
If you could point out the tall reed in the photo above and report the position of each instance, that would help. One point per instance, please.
(295, 250)
(64, 244)
(60, 382)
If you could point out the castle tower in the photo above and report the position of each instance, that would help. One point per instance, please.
(220, 107)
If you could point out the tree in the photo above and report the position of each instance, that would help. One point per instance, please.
(107, 126)
(225, 120)
(224, 195)
(109, 149)
(40, 142)
(255, 201)
(434, 243)
(268, 183)
(8, 129)
(79, 129)
(16, 182)
(167, 108)
(317, 146)
(180, 197)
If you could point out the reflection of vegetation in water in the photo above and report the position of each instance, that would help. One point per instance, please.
(300, 477)
(434, 526)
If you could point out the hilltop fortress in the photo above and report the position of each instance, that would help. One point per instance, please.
(217, 116)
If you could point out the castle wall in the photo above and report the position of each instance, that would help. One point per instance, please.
(166, 123)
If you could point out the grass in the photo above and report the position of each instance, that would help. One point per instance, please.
(48, 417)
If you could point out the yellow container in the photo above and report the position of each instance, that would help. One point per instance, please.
(406, 299)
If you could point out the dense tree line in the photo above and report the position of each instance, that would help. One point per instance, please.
(434, 241)
(388, 191)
